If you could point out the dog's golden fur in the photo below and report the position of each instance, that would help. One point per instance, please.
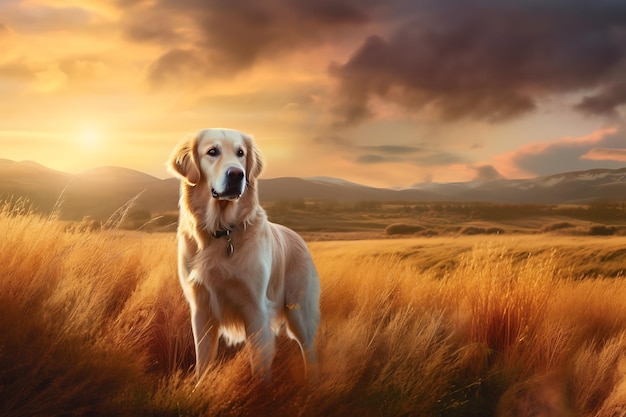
(269, 277)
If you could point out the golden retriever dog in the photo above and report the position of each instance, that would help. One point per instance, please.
(243, 276)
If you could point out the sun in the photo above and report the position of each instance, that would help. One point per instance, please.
(89, 140)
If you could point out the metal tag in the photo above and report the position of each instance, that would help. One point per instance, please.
(230, 249)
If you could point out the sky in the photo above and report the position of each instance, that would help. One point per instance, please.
(388, 93)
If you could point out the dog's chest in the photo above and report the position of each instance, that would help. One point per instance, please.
(237, 288)
(238, 272)
(213, 268)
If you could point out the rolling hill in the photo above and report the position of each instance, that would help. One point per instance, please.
(101, 191)
(580, 187)
(97, 193)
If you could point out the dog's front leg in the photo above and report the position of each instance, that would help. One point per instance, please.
(205, 329)
(262, 344)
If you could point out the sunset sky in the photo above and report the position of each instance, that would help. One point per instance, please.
(381, 92)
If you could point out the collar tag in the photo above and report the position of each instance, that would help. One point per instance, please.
(230, 249)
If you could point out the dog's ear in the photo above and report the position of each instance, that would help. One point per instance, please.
(254, 160)
(183, 162)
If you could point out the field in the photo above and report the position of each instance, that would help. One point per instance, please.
(94, 323)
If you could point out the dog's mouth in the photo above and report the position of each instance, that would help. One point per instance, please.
(230, 194)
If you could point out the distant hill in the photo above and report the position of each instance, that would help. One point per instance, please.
(101, 191)
(579, 187)
(334, 189)
(40, 185)
(97, 192)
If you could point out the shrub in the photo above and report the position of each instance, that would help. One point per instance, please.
(602, 230)
(474, 230)
(428, 233)
(403, 229)
(556, 226)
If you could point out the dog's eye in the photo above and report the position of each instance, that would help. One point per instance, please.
(213, 152)
(240, 153)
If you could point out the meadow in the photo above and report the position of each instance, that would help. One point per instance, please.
(94, 323)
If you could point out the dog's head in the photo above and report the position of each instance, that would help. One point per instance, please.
(224, 160)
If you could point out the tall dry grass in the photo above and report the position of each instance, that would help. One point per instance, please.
(94, 323)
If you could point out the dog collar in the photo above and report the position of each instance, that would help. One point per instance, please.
(230, 249)
(221, 233)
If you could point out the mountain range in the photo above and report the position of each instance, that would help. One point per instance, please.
(101, 191)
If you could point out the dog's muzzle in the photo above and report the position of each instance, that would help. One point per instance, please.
(234, 183)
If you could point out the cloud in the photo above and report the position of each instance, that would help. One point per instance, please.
(486, 173)
(49, 80)
(488, 60)
(227, 37)
(177, 66)
(55, 76)
(566, 154)
(17, 71)
(604, 102)
(83, 68)
(154, 27)
(606, 154)
(370, 159)
(42, 18)
(332, 140)
(393, 149)
(388, 153)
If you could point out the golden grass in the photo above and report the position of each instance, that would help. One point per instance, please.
(94, 323)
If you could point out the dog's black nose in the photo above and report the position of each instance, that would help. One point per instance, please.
(234, 174)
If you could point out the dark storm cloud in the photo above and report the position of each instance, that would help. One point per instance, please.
(490, 60)
(606, 101)
(228, 36)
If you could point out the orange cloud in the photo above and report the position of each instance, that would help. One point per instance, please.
(606, 154)
(561, 155)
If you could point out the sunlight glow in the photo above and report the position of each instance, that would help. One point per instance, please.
(89, 140)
